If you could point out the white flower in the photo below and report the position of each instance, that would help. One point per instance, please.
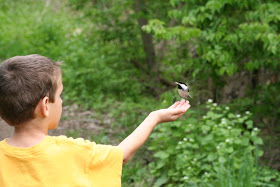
(238, 115)
(206, 173)
(186, 177)
(227, 108)
(191, 140)
(255, 129)
(179, 142)
(204, 117)
(185, 139)
(229, 127)
(214, 104)
(218, 147)
(227, 140)
(185, 156)
(224, 122)
(247, 112)
(223, 119)
(189, 167)
(164, 101)
(210, 100)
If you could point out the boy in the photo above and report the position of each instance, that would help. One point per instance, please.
(30, 89)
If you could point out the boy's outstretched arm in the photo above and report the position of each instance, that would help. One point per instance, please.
(139, 136)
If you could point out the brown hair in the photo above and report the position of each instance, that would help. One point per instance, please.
(24, 81)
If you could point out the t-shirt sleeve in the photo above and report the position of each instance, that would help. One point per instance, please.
(106, 162)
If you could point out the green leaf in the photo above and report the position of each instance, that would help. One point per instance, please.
(222, 160)
(205, 128)
(206, 139)
(194, 146)
(245, 142)
(229, 149)
(259, 153)
(230, 115)
(211, 157)
(249, 124)
(161, 154)
(258, 141)
(161, 181)
(160, 164)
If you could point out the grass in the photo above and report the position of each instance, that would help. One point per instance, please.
(248, 175)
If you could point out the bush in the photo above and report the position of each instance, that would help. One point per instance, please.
(202, 150)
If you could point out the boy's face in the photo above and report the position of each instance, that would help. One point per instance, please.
(56, 107)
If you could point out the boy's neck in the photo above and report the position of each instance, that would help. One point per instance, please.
(27, 135)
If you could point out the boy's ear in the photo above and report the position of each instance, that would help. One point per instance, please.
(44, 106)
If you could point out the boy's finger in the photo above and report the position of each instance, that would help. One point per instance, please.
(185, 104)
(182, 102)
(174, 105)
(179, 104)
(181, 110)
(185, 107)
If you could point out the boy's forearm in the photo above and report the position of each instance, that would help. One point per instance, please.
(138, 137)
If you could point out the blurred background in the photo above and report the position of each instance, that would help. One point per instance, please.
(121, 59)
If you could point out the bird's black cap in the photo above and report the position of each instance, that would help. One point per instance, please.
(181, 83)
(180, 87)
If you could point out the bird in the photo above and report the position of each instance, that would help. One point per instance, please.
(183, 90)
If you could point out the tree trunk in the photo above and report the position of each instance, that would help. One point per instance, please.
(148, 46)
(255, 74)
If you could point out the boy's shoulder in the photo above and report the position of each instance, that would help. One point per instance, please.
(80, 142)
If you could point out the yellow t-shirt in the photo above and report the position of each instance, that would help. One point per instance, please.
(61, 161)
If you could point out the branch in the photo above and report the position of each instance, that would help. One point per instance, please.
(166, 82)
(139, 65)
(163, 43)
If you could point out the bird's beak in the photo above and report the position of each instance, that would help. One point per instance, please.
(176, 83)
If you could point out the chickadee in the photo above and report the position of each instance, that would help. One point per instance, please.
(183, 90)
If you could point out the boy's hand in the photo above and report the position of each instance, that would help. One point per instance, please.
(172, 113)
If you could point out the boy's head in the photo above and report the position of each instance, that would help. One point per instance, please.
(24, 81)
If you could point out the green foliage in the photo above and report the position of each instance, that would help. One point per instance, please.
(30, 27)
(231, 36)
(228, 36)
(195, 151)
(179, 32)
(135, 174)
(94, 66)
(248, 175)
(99, 56)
